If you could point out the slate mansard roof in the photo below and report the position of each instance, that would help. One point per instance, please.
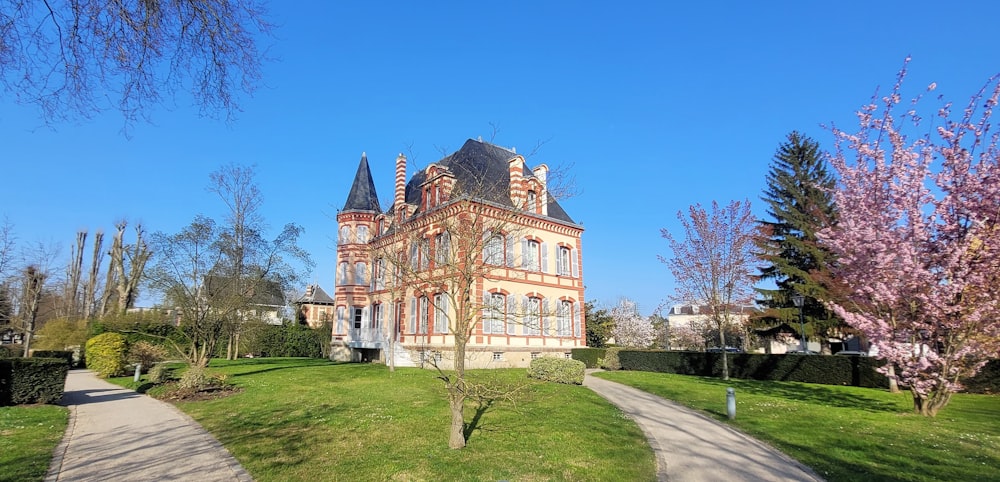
(363, 196)
(481, 169)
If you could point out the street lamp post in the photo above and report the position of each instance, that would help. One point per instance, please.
(799, 302)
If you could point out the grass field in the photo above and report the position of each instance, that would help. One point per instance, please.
(848, 433)
(28, 436)
(311, 420)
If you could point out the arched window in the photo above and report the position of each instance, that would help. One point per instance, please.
(359, 273)
(345, 274)
(442, 248)
(566, 262)
(493, 250)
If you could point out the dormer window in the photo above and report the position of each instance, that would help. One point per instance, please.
(532, 202)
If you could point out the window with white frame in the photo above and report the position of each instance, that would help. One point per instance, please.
(532, 322)
(341, 319)
(535, 355)
(359, 316)
(422, 309)
(441, 313)
(493, 250)
(378, 315)
(437, 357)
(532, 202)
(564, 319)
(425, 253)
(494, 313)
(498, 356)
(530, 254)
(442, 248)
(378, 277)
(362, 234)
(566, 264)
(345, 234)
(568, 355)
(360, 273)
(345, 273)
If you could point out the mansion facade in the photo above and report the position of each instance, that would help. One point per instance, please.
(474, 246)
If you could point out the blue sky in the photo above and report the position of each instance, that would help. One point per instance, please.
(655, 105)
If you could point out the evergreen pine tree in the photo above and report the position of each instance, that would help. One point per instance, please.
(799, 204)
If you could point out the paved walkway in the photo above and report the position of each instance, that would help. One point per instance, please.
(116, 434)
(692, 447)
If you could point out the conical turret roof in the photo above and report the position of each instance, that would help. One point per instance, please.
(363, 196)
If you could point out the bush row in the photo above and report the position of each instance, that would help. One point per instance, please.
(828, 370)
(32, 380)
(63, 354)
(589, 356)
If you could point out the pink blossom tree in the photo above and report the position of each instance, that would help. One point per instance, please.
(631, 329)
(917, 241)
(713, 264)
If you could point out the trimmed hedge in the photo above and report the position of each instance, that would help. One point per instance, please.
(828, 370)
(589, 356)
(106, 354)
(986, 381)
(66, 355)
(32, 380)
(559, 370)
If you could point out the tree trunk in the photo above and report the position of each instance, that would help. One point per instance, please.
(72, 295)
(89, 295)
(456, 396)
(891, 375)
(725, 353)
(34, 280)
(929, 405)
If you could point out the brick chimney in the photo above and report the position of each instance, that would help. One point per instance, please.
(518, 195)
(400, 196)
(542, 174)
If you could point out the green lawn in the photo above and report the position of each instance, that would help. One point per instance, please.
(28, 436)
(312, 420)
(848, 433)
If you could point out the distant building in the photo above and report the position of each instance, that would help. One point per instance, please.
(536, 288)
(315, 307)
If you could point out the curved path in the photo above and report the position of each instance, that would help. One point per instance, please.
(692, 447)
(118, 434)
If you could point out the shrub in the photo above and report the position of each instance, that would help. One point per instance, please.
(65, 355)
(589, 356)
(559, 370)
(11, 351)
(106, 354)
(611, 361)
(32, 380)
(60, 334)
(146, 354)
(160, 373)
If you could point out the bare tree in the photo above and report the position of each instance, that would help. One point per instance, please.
(7, 245)
(90, 288)
(71, 293)
(74, 59)
(713, 262)
(125, 267)
(31, 295)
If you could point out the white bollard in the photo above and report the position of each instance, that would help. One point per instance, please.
(138, 371)
(731, 402)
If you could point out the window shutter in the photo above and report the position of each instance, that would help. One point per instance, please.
(380, 322)
(546, 318)
(511, 317)
(487, 313)
(510, 251)
(544, 248)
(560, 269)
(444, 313)
(524, 253)
(574, 269)
(577, 316)
(413, 316)
(365, 316)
